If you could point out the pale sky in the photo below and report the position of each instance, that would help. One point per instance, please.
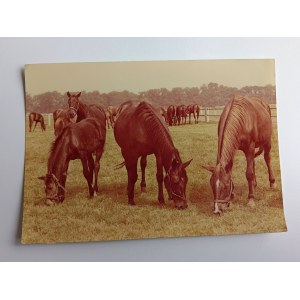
(141, 76)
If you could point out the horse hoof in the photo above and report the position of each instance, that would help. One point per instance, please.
(131, 202)
(273, 185)
(143, 189)
(251, 203)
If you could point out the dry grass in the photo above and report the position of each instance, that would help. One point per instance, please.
(109, 217)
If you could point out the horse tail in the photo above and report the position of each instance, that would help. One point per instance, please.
(259, 152)
(119, 166)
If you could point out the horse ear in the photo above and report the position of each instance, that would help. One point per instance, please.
(78, 95)
(42, 178)
(186, 164)
(68, 93)
(208, 168)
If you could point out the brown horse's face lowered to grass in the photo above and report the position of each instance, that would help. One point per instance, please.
(175, 183)
(222, 187)
(53, 189)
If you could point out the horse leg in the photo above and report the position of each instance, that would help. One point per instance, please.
(30, 124)
(250, 154)
(160, 179)
(97, 168)
(35, 125)
(194, 117)
(131, 166)
(255, 182)
(86, 172)
(91, 166)
(143, 167)
(267, 157)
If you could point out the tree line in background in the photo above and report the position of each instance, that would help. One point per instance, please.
(208, 95)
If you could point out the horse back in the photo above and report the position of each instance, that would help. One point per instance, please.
(136, 128)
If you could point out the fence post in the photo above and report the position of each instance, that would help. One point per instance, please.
(206, 115)
(49, 119)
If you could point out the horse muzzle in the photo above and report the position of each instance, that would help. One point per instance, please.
(220, 207)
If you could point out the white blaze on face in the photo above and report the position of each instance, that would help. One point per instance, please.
(216, 208)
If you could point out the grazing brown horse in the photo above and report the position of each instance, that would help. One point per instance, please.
(245, 124)
(60, 123)
(171, 112)
(193, 109)
(111, 113)
(161, 111)
(77, 141)
(61, 118)
(140, 131)
(181, 114)
(37, 118)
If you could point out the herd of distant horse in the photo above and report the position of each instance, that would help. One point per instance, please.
(141, 130)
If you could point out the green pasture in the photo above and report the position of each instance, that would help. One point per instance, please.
(109, 217)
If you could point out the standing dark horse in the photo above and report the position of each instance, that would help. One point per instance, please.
(140, 131)
(181, 114)
(37, 118)
(245, 124)
(82, 110)
(193, 109)
(171, 111)
(77, 141)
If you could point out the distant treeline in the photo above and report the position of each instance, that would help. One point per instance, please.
(209, 95)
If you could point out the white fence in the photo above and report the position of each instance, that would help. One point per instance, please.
(207, 114)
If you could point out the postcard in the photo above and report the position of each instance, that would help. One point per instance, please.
(153, 149)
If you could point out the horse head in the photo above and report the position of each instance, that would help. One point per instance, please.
(73, 103)
(175, 183)
(222, 187)
(53, 189)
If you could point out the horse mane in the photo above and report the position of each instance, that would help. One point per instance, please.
(230, 126)
(155, 128)
(54, 151)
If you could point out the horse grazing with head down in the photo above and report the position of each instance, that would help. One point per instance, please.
(77, 141)
(245, 124)
(193, 109)
(181, 114)
(61, 118)
(37, 118)
(140, 131)
(111, 113)
(171, 113)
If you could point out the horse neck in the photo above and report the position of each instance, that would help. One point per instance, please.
(82, 112)
(58, 160)
(229, 144)
(169, 152)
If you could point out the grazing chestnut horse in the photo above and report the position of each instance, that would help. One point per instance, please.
(140, 131)
(77, 141)
(181, 114)
(61, 118)
(171, 111)
(60, 123)
(37, 118)
(193, 109)
(111, 113)
(161, 111)
(245, 124)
